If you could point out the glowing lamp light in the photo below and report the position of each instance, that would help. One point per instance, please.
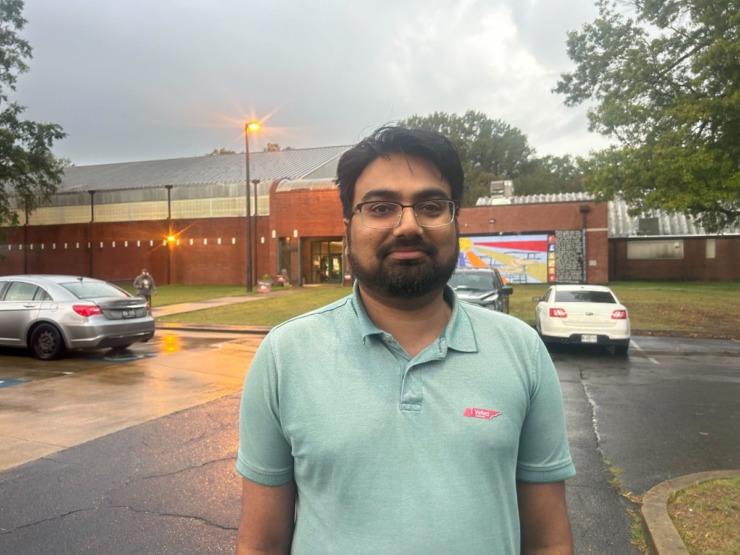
(253, 126)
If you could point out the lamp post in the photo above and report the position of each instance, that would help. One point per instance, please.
(255, 233)
(249, 126)
(169, 232)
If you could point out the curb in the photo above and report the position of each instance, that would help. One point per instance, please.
(660, 533)
(255, 330)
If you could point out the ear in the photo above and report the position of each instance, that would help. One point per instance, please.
(347, 222)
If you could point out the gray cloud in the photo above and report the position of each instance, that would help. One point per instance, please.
(152, 79)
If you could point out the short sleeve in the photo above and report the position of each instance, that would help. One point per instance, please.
(264, 454)
(544, 455)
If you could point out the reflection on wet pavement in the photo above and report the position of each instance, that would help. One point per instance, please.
(104, 392)
(17, 366)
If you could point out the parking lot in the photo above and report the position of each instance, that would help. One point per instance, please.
(137, 450)
(107, 391)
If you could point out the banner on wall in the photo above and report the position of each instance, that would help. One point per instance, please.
(519, 258)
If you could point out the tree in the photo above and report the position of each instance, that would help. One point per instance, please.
(28, 169)
(550, 175)
(491, 150)
(221, 152)
(665, 77)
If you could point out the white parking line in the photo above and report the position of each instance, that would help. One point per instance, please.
(633, 344)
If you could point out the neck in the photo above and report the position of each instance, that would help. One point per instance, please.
(414, 323)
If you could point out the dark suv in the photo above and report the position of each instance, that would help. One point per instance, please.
(482, 286)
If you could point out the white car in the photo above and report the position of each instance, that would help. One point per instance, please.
(582, 314)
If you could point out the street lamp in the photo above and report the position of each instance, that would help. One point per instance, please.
(249, 126)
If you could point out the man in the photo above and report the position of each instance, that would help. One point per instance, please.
(144, 285)
(399, 420)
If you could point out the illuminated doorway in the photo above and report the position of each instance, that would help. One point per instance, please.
(326, 261)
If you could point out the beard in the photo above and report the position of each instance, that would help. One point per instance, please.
(407, 279)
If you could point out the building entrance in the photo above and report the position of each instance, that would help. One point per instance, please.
(326, 261)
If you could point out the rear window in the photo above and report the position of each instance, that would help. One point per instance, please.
(93, 289)
(584, 297)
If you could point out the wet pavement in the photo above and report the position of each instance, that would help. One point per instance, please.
(134, 452)
(105, 392)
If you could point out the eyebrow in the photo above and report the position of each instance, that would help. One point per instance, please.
(395, 195)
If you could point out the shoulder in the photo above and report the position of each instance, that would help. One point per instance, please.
(486, 321)
(322, 320)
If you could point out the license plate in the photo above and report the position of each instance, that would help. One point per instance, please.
(129, 313)
(589, 339)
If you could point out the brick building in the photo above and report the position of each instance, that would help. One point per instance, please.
(186, 221)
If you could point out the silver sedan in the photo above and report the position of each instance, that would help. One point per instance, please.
(51, 313)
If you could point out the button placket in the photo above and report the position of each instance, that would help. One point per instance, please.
(412, 386)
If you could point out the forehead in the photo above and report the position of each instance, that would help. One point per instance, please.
(400, 177)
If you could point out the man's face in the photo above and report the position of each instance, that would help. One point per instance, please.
(407, 261)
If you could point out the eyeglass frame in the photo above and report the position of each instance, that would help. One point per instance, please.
(453, 211)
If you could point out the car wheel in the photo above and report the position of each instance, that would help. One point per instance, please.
(46, 342)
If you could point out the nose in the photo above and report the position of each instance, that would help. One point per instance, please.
(408, 224)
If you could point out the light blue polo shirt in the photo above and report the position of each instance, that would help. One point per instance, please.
(399, 455)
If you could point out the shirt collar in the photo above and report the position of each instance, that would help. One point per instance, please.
(458, 334)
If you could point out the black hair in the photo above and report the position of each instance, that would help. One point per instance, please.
(422, 143)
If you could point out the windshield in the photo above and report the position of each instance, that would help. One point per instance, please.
(93, 289)
(477, 281)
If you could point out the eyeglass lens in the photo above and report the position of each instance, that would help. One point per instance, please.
(386, 214)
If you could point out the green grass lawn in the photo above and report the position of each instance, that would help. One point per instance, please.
(705, 308)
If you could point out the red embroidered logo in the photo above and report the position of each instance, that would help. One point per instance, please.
(471, 412)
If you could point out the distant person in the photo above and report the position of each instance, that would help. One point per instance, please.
(399, 419)
(283, 278)
(145, 286)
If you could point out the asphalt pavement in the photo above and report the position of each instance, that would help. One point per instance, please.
(138, 456)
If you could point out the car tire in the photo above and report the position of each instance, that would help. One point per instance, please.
(46, 342)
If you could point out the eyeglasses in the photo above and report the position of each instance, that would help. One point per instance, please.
(382, 214)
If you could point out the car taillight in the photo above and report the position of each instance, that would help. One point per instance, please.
(558, 313)
(619, 315)
(86, 310)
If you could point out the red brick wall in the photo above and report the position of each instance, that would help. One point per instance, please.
(317, 214)
(694, 266)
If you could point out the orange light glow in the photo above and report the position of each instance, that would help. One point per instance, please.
(170, 238)
(252, 126)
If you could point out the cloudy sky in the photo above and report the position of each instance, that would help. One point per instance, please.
(133, 80)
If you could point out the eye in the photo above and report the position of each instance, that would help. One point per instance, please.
(430, 207)
(380, 208)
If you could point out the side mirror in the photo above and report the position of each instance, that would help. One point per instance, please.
(537, 299)
(507, 290)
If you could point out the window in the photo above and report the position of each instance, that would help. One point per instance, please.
(585, 297)
(711, 247)
(653, 250)
(21, 291)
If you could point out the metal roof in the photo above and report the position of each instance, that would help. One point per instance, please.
(225, 168)
(652, 223)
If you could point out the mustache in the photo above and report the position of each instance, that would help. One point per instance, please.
(406, 243)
